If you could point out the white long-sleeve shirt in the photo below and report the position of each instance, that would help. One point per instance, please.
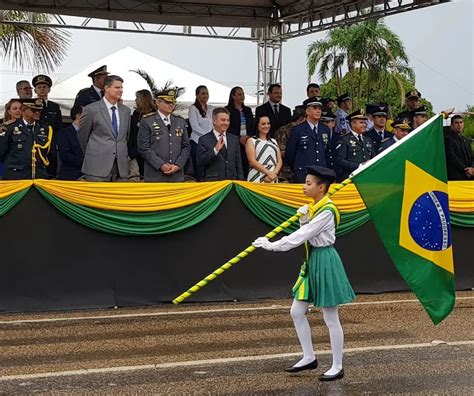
(320, 231)
(200, 125)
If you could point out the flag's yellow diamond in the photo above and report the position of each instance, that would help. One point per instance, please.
(425, 228)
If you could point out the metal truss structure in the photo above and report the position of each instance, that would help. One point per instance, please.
(268, 23)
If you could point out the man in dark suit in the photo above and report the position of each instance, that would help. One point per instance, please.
(96, 91)
(458, 152)
(103, 135)
(379, 118)
(307, 142)
(50, 116)
(218, 153)
(278, 113)
(69, 149)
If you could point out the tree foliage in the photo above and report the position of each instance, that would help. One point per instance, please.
(374, 57)
(32, 46)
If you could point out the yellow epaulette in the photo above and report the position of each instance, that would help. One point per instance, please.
(6, 123)
(148, 114)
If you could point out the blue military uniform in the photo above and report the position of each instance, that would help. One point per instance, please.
(374, 134)
(305, 147)
(342, 125)
(386, 143)
(90, 95)
(16, 143)
(86, 96)
(333, 139)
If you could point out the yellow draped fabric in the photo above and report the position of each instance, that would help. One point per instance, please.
(132, 197)
(150, 197)
(461, 195)
(346, 199)
(9, 187)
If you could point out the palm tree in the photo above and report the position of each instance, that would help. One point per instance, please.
(368, 45)
(32, 46)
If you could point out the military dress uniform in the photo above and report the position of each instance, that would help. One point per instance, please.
(333, 139)
(16, 143)
(90, 95)
(377, 136)
(352, 150)
(307, 145)
(342, 124)
(159, 144)
(50, 116)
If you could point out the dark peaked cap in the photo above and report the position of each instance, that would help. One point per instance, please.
(322, 172)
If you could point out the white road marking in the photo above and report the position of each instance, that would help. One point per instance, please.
(108, 370)
(203, 311)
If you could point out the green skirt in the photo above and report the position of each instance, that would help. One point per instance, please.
(323, 280)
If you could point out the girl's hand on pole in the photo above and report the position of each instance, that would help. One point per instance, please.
(263, 243)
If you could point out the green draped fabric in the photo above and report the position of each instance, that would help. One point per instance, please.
(9, 202)
(462, 219)
(274, 213)
(126, 223)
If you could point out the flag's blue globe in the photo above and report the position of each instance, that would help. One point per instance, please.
(428, 221)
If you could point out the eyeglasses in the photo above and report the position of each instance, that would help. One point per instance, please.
(26, 89)
(35, 110)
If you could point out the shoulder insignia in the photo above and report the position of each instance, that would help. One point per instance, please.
(148, 114)
(385, 140)
(178, 116)
(6, 123)
(344, 134)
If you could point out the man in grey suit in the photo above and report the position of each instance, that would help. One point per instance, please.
(218, 152)
(163, 141)
(103, 135)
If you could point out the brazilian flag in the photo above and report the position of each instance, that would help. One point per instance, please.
(406, 193)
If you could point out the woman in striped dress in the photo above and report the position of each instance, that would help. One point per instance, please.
(263, 154)
(322, 280)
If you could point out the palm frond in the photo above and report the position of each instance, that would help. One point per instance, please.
(149, 80)
(37, 47)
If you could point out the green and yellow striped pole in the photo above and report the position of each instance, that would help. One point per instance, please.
(198, 286)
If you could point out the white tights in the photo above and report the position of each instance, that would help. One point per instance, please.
(331, 318)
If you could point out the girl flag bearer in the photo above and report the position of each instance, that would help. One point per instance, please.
(322, 280)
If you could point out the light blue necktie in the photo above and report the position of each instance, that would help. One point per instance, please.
(114, 122)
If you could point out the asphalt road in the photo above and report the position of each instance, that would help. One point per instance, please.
(391, 348)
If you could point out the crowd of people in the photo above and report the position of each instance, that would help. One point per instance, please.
(107, 142)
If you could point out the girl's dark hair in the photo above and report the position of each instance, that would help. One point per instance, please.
(256, 122)
(231, 104)
(197, 103)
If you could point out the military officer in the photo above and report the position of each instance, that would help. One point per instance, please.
(17, 139)
(379, 117)
(163, 141)
(345, 106)
(96, 91)
(307, 142)
(401, 128)
(419, 116)
(412, 102)
(50, 116)
(329, 119)
(353, 149)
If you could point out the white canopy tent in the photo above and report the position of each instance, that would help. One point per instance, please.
(127, 59)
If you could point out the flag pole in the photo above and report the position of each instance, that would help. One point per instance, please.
(244, 253)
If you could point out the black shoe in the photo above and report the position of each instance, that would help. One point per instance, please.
(325, 377)
(309, 366)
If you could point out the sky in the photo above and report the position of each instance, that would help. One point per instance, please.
(439, 41)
